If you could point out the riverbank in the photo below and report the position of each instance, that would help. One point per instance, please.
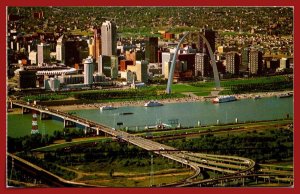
(191, 98)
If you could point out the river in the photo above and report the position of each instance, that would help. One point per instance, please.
(187, 114)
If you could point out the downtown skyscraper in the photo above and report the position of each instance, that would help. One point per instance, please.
(109, 38)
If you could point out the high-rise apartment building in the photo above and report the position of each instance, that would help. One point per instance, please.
(244, 59)
(108, 38)
(255, 62)
(202, 66)
(232, 63)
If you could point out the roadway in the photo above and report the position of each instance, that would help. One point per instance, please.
(224, 164)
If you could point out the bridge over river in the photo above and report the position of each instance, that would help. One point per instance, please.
(229, 166)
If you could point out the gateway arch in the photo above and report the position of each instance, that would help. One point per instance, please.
(214, 66)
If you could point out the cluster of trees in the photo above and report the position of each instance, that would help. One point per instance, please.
(50, 166)
(33, 141)
(46, 97)
(90, 152)
(262, 87)
(260, 146)
(136, 19)
(28, 142)
(103, 156)
(68, 134)
(114, 94)
(144, 93)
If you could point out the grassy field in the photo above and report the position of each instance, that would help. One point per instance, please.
(99, 161)
(62, 144)
(254, 125)
(157, 92)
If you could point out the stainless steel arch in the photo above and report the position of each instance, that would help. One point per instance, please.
(214, 65)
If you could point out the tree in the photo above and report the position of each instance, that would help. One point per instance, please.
(111, 173)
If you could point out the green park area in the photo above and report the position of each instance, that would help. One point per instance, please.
(179, 90)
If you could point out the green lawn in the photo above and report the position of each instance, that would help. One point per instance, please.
(74, 142)
(197, 88)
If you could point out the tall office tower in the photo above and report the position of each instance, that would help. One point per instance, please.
(97, 44)
(114, 67)
(34, 129)
(104, 65)
(60, 49)
(88, 70)
(188, 59)
(255, 62)
(210, 35)
(202, 65)
(232, 63)
(151, 50)
(166, 60)
(72, 54)
(140, 70)
(109, 38)
(43, 53)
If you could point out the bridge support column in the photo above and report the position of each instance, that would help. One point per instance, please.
(68, 123)
(85, 130)
(9, 105)
(97, 131)
(44, 116)
(25, 110)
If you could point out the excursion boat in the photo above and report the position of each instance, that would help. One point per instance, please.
(285, 95)
(257, 97)
(221, 99)
(107, 108)
(153, 103)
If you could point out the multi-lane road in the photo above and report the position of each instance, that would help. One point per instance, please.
(227, 165)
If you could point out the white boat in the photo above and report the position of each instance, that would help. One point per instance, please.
(257, 97)
(285, 95)
(152, 104)
(107, 108)
(227, 98)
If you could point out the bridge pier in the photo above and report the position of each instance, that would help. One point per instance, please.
(9, 105)
(45, 116)
(97, 131)
(68, 123)
(25, 110)
(87, 130)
